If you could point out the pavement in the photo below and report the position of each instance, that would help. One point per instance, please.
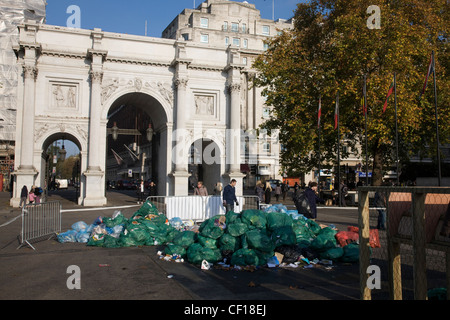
(138, 273)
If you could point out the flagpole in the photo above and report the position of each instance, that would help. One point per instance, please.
(318, 126)
(338, 152)
(396, 129)
(437, 124)
(365, 125)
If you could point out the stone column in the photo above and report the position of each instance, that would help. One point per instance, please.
(94, 121)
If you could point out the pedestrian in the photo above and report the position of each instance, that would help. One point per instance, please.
(277, 191)
(152, 192)
(23, 196)
(200, 190)
(267, 193)
(343, 191)
(141, 192)
(218, 189)
(259, 190)
(311, 195)
(38, 192)
(380, 204)
(31, 195)
(229, 196)
(284, 190)
(296, 188)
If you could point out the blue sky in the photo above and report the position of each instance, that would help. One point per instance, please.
(129, 16)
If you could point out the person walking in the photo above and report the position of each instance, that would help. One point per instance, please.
(141, 191)
(23, 196)
(152, 189)
(200, 190)
(229, 196)
(311, 195)
(278, 191)
(267, 193)
(259, 190)
(218, 189)
(31, 196)
(284, 190)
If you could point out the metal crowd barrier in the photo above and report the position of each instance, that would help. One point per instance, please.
(40, 221)
(198, 208)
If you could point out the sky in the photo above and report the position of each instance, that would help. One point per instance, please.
(130, 17)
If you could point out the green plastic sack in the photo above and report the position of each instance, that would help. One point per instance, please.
(175, 249)
(332, 254)
(437, 294)
(110, 242)
(232, 217)
(185, 238)
(325, 240)
(278, 219)
(228, 243)
(259, 239)
(283, 236)
(245, 257)
(254, 218)
(313, 226)
(96, 240)
(139, 233)
(196, 253)
(213, 227)
(237, 229)
(351, 253)
(147, 208)
(263, 257)
(112, 222)
(207, 242)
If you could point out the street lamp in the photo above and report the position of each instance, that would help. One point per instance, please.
(62, 152)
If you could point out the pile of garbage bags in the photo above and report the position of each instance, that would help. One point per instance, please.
(250, 238)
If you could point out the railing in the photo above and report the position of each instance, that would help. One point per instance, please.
(198, 208)
(40, 221)
(414, 255)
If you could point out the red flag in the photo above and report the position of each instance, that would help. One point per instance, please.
(336, 114)
(430, 69)
(319, 113)
(391, 89)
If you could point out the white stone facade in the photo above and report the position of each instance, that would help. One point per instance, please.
(191, 91)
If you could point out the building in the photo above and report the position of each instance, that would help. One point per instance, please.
(193, 96)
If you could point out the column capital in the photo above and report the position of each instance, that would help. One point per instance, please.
(30, 72)
(234, 87)
(96, 76)
(181, 83)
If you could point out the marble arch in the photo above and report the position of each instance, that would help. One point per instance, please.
(71, 78)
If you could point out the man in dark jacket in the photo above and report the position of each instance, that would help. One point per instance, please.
(229, 196)
(23, 196)
(312, 197)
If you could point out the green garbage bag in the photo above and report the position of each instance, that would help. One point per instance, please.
(110, 242)
(237, 229)
(213, 227)
(302, 232)
(313, 226)
(175, 249)
(332, 254)
(185, 238)
(96, 240)
(254, 218)
(207, 242)
(351, 253)
(325, 240)
(437, 294)
(284, 235)
(278, 219)
(259, 239)
(112, 222)
(263, 257)
(147, 208)
(139, 233)
(228, 243)
(232, 217)
(245, 257)
(196, 253)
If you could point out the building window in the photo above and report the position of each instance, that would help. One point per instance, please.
(244, 61)
(235, 27)
(225, 26)
(245, 43)
(227, 41)
(266, 112)
(185, 36)
(204, 22)
(266, 46)
(266, 147)
(244, 27)
(204, 38)
(236, 42)
(266, 30)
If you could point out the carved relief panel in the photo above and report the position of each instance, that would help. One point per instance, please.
(63, 96)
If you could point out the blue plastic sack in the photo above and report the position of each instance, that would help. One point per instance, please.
(79, 226)
(82, 237)
(68, 236)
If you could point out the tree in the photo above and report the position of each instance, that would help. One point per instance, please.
(330, 50)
